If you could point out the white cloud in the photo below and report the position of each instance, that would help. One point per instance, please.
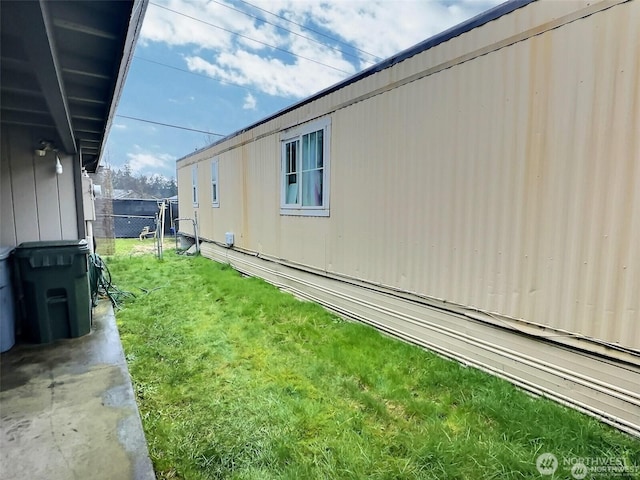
(250, 102)
(149, 163)
(381, 27)
(161, 25)
(120, 126)
(270, 75)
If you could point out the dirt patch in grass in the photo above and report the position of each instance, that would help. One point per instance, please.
(133, 246)
(143, 247)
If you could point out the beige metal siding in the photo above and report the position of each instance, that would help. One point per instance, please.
(507, 183)
(497, 171)
(184, 199)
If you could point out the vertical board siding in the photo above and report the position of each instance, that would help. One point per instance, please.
(22, 184)
(507, 182)
(66, 198)
(47, 200)
(37, 204)
(7, 219)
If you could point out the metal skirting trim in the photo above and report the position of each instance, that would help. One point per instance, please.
(601, 387)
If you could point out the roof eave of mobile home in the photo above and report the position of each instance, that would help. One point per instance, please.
(455, 31)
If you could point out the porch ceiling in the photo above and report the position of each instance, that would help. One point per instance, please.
(63, 65)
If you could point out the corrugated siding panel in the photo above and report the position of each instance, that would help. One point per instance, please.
(230, 217)
(184, 197)
(263, 194)
(507, 183)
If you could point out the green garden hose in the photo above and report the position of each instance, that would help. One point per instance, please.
(100, 283)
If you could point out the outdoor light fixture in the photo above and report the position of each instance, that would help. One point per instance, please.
(48, 146)
(45, 146)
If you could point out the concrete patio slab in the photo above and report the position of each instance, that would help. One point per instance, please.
(67, 410)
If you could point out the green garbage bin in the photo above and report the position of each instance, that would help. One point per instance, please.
(54, 289)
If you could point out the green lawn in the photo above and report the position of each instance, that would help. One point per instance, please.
(236, 379)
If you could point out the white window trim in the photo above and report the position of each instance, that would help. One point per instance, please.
(215, 202)
(297, 132)
(194, 184)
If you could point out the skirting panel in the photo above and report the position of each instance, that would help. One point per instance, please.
(603, 387)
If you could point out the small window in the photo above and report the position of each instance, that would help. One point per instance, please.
(305, 170)
(215, 193)
(194, 184)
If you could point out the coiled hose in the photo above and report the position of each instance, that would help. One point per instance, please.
(100, 283)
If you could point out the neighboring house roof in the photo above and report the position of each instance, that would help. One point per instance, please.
(63, 67)
(475, 22)
(119, 194)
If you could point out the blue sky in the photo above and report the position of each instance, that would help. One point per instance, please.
(220, 65)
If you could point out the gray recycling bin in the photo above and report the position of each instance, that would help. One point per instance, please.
(7, 311)
(54, 284)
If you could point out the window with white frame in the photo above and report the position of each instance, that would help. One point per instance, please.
(194, 184)
(215, 191)
(305, 169)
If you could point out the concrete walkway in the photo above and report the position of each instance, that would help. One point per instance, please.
(67, 410)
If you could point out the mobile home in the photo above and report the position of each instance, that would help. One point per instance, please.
(476, 194)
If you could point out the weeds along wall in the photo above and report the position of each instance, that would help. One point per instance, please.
(497, 172)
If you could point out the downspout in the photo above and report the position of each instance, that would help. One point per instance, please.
(88, 207)
(195, 230)
(89, 236)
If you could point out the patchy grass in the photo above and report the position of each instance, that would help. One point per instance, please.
(135, 246)
(236, 379)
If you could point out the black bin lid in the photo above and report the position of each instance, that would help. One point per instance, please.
(54, 246)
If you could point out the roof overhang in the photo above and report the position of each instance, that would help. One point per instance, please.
(63, 66)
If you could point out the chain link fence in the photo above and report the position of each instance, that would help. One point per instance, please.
(103, 227)
(124, 214)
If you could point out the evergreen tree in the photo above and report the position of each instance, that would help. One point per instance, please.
(154, 185)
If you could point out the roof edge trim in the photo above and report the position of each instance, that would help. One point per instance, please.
(138, 11)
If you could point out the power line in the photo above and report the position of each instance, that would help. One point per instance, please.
(249, 38)
(311, 30)
(224, 82)
(171, 125)
(292, 32)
